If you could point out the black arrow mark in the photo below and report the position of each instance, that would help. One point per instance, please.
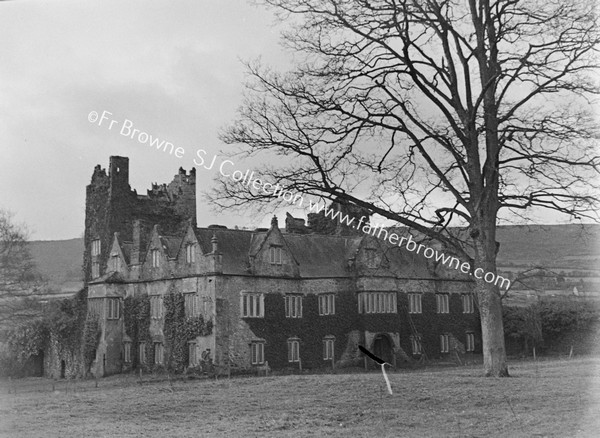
(371, 355)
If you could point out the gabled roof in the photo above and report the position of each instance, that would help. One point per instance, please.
(233, 244)
(170, 245)
(126, 249)
(109, 277)
(322, 255)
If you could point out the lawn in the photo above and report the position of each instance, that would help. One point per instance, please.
(548, 398)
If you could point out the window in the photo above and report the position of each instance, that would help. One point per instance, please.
(191, 304)
(95, 269)
(96, 306)
(467, 302)
(470, 342)
(444, 344)
(115, 263)
(252, 305)
(257, 351)
(415, 341)
(127, 351)
(192, 354)
(158, 353)
(142, 352)
(442, 303)
(377, 302)
(328, 348)
(293, 350)
(414, 303)
(113, 308)
(190, 253)
(156, 307)
(275, 255)
(155, 258)
(96, 247)
(293, 306)
(371, 257)
(327, 304)
(206, 306)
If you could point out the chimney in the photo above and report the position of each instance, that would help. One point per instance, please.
(135, 250)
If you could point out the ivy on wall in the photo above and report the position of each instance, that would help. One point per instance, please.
(64, 331)
(136, 315)
(178, 330)
(90, 341)
(312, 328)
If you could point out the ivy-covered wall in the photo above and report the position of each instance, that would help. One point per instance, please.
(66, 336)
(312, 328)
(176, 330)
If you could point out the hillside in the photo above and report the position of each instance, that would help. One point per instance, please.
(60, 261)
(565, 247)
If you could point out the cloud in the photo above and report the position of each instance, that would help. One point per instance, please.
(171, 68)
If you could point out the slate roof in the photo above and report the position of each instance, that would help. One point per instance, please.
(318, 255)
(171, 245)
(233, 244)
(322, 255)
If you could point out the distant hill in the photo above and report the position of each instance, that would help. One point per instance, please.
(566, 247)
(60, 262)
(561, 247)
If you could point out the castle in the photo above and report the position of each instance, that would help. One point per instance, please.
(304, 296)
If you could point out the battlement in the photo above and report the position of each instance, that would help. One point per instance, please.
(112, 206)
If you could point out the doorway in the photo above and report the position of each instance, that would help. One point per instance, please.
(383, 348)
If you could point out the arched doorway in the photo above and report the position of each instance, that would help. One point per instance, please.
(383, 348)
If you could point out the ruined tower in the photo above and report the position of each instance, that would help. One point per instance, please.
(112, 206)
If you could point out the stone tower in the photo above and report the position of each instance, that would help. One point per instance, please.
(112, 206)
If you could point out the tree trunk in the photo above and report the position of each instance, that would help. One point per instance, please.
(490, 308)
(492, 330)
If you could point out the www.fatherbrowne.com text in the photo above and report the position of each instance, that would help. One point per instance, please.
(247, 180)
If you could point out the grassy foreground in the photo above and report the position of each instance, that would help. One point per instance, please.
(551, 398)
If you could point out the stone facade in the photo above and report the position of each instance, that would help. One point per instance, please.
(286, 297)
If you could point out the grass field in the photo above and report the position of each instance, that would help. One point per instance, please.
(550, 398)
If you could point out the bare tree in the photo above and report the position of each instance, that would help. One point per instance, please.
(432, 114)
(19, 279)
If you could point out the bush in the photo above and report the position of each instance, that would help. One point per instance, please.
(561, 317)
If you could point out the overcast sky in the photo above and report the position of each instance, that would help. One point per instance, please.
(172, 68)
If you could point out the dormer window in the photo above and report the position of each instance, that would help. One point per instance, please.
(115, 263)
(275, 255)
(155, 258)
(96, 247)
(190, 253)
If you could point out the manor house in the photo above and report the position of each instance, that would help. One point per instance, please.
(300, 296)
